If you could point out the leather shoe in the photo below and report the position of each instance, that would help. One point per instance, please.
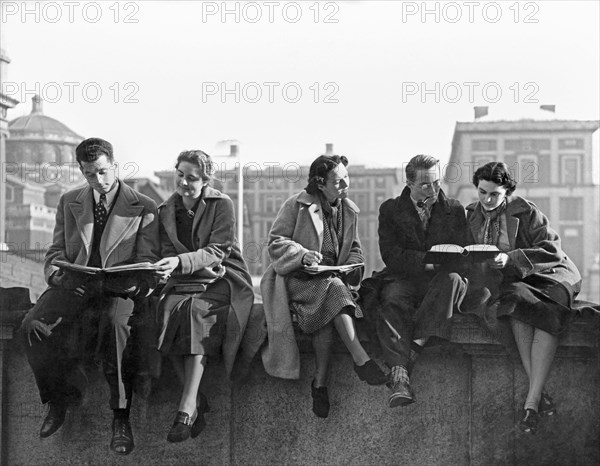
(182, 426)
(54, 420)
(402, 394)
(122, 437)
(530, 421)
(199, 425)
(320, 400)
(370, 373)
(546, 407)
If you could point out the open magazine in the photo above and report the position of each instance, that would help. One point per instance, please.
(315, 269)
(117, 269)
(444, 253)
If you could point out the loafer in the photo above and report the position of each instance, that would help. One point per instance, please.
(370, 373)
(182, 426)
(54, 420)
(546, 407)
(199, 424)
(402, 394)
(122, 436)
(529, 423)
(320, 400)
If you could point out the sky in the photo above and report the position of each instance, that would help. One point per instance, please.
(381, 80)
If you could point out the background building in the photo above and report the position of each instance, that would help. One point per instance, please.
(552, 161)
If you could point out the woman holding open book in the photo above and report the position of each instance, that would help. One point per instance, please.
(538, 281)
(208, 285)
(317, 226)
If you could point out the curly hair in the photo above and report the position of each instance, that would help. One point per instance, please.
(319, 170)
(199, 158)
(496, 172)
(91, 149)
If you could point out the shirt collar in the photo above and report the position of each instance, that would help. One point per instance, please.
(110, 196)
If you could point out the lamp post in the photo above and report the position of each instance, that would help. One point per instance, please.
(234, 152)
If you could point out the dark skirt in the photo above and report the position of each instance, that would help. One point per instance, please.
(194, 323)
(537, 301)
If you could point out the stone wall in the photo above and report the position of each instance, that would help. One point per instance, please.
(469, 397)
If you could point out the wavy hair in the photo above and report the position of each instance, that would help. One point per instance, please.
(319, 170)
(496, 172)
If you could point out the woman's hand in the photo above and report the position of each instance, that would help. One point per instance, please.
(166, 266)
(498, 262)
(312, 258)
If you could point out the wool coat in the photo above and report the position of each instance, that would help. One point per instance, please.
(213, 234)
(535, 247)
(297, 229)
(130, 234)
(402, 241)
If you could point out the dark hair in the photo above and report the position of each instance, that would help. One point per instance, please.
(496, 172)
(91, 149)
(199, 158)
(319, 170)
(419, 162)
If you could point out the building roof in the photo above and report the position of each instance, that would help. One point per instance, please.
(38, 127)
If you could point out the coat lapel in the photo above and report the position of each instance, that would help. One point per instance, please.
(316, 215)
(124, 216)
(349, 218)
(83, 212)
(476, 222)
(167, 219)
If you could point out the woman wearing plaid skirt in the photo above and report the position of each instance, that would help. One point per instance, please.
(318, 226)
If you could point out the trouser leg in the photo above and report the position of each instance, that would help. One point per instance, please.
(395, 321)
(116, 347)
(442, 296)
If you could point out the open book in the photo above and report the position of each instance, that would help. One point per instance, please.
(444, 253)
(315, 269)
(117, 269)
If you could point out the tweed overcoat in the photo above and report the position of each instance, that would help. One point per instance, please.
(298, 229)
(535, 247)
(213, 233)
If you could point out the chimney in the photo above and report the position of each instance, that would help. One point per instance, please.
(329, 148)
(548, 108)
(480, 112)
(233, 150)
(36, 104)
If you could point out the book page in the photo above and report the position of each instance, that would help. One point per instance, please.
(332, 268)
(482, 248)
(447, 248)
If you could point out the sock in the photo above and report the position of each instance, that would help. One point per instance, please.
(400, 374)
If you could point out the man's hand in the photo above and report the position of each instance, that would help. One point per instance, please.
(38, 327)
(166, 266)
(498, 262)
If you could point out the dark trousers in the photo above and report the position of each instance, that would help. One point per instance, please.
(411, 310)
(92, 326)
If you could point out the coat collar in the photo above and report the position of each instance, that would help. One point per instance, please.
(167, 211)
(515, 206)
(122, 218)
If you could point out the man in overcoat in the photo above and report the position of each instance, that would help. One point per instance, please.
(410, 301)
(103, 224)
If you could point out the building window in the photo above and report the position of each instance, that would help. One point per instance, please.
(571, 209)
(481, 160)
(527, 169)
(380, 182)
(483, 145)
(10, 193)
(526, 145)
(570, 169)
(570, 143)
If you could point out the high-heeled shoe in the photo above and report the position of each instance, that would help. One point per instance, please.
(320, 400)
(546, 407)
(529, 423)
(182, 426)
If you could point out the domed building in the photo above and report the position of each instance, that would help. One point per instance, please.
(37, 138)
(40, 166)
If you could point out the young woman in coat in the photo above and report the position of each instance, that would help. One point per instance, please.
(317, 226)
(536, 282)
(208, 287)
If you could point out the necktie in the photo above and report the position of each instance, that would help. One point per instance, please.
(100, 212)
(424, 214)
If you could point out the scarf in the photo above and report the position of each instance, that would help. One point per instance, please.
(491, 227)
